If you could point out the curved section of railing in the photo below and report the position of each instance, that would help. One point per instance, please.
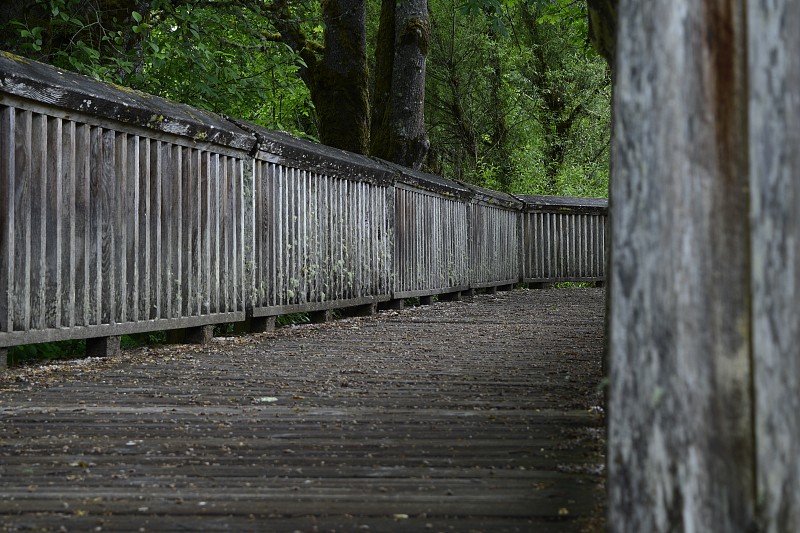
(121, 212)
(563, 239)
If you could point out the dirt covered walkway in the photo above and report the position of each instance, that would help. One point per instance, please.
(479, 415)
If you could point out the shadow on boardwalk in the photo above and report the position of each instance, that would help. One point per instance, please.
(465, 416)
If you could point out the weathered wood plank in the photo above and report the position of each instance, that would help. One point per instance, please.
(22, 227)
(396, 434)
(680, 399)
(774, 164)
(38, 222)
(8, 167)
(54, 218)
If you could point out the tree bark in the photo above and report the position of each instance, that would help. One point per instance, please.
(340, 95)
(680, 427)
(336, 73)
(399, 125)
(603, 27)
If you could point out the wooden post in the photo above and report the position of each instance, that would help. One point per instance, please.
(3, 358)
(194, 335)
(774, 123)
(469, 293)
(425, 300)
(262, 324)
(255, 324)
(450, 297)
(319, 317)
(103, 346)
(396, 303)
(363, 310)
(199, 334)
(680, 410)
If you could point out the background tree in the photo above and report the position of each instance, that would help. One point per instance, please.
(517, 100)
(398, 125)
(336, 73)
(513, 97)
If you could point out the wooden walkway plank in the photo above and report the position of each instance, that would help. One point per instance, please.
(466, 416)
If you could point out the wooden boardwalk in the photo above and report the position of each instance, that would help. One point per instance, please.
(465, 416)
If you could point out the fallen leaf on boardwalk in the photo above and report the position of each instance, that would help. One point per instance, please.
(563, 511)
(400, 516)
(265, 399)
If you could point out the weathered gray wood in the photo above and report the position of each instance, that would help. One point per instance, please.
(109, 220)
(3, 358)
(199, 334)
(75, 93)
(262, 324)
(450, 297)
(321, 317)
(7, 216)
(397, 303)
(681, 440)
(368, 425)
(774, 130)
(103, 346)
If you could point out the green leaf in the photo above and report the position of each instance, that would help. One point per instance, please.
(136, 16)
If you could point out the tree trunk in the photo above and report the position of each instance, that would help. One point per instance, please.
(603, 27)
(340, 81)
(399, 120)
(336, 73)
(681, 449)
(704, 326)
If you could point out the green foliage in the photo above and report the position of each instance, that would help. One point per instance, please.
(47, 351)
(516, 99)
(527, 113)
(208, 55)
(293, 318)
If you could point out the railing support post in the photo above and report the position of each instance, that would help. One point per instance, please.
(255, 324)
(103, 346)
(450, 297)
(262, 324)
(320, 317)
(396, 303)
(199, 334)
(3, 358)
(195, 335)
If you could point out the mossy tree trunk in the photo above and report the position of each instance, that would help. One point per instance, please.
(336, 74)
(398, 125)
(603, 27)
(340, 81)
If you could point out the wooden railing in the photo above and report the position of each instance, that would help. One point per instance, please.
(121, 213)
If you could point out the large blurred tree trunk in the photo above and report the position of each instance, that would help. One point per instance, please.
(704, 328)
(398, 119)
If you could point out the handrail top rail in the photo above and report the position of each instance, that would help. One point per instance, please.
(497, 198)
(571, 204)
(44, 83)
(36, 81)
(281, 147)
